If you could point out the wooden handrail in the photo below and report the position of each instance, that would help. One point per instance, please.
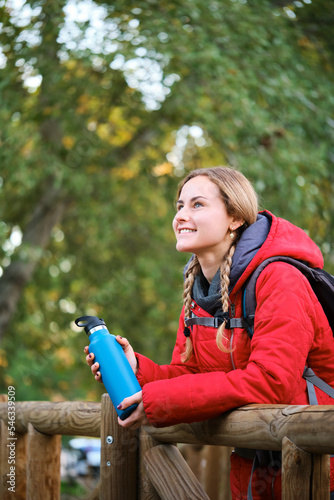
(252, 426)
(68, 418)
(259, 427)
(305, 434)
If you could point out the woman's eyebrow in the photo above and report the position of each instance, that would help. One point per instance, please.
(194, 198)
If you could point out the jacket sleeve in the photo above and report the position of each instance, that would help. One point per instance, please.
(285, 322)
(148, 371)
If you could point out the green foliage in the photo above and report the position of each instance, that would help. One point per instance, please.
(119, 113)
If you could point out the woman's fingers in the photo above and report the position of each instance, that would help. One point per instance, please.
(129, 352)
(94, 366)
(95, 371)
(123, 342)
(90, 356)
(131, 400)
(136, 419)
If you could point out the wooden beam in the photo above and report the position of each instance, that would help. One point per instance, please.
(259, 427)
(21, 466)
(252, 426)
(146, 490)
(171, 476)
(320, 477)
(78, 418)
(5, 494)
(43, 466)
(216, 477)
(119, 452)
(193, 455)
(304, 475)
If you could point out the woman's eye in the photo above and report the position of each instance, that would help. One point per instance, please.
(198, 204)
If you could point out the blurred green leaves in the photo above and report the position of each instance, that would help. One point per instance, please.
(108, 104)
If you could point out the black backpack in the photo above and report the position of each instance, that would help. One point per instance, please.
(322, 284)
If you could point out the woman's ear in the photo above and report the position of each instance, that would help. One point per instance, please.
(236, 223)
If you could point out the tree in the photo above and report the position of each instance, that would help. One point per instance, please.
(101, 116)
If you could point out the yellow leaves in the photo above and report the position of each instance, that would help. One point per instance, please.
(120, 137)
(305, 42)
(91, 396)
(103, 131)
(27, 149)
(162, 169)
(70, 64)
(117, 135)
(124, 173)
(64, 355)
(3, 358)
(93, 169)
(53, 295)
(64, 385)
(118, 131)
(48, 110)
(9, 380)
(83, 104)
(56, 397)
(87, 104)
(68, 141)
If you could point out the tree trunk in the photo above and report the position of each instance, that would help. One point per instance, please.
(47, 213)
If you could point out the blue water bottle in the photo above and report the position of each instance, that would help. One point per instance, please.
(117, 374)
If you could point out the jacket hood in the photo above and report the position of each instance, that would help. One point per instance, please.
(267, 237)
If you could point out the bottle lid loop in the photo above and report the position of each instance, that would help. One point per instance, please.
(89, 322)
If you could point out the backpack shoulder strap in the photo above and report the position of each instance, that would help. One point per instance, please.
(322, 284)
(249, 294)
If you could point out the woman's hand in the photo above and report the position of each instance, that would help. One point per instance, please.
(93, 366)
(128, 351)
(138, 416)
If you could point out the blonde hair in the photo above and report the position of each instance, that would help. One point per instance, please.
(241, 203)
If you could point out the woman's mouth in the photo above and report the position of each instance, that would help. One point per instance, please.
(183, 231)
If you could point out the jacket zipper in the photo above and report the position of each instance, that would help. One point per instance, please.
(232, 307)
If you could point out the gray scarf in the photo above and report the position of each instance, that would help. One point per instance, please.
(208, 295)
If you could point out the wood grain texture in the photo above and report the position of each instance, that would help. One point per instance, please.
(171, 476)
(146, 490)
(43, 466)
(119, 456)
(259, 427)
(77, 418)
(304, 475)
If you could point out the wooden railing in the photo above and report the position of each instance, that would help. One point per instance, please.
(146, 464)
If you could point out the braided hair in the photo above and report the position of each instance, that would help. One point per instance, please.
(241, 203)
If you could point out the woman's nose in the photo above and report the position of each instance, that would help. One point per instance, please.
(182, 214)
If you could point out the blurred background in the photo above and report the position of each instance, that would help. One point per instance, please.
(104, 107)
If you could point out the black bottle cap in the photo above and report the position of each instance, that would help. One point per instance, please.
(89, 322)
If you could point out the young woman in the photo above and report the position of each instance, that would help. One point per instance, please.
(215, 369)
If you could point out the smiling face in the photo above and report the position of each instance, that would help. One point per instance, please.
(201, 224)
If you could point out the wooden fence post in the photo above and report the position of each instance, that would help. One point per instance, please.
(171, 475)
(320, 477)
(145, 487)
(43, 467)
(21, 466)
(119, 452)
(4, 466)
(304, 475)
(193, 455)
(216, 474)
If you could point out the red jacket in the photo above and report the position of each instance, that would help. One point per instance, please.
(291, 331)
